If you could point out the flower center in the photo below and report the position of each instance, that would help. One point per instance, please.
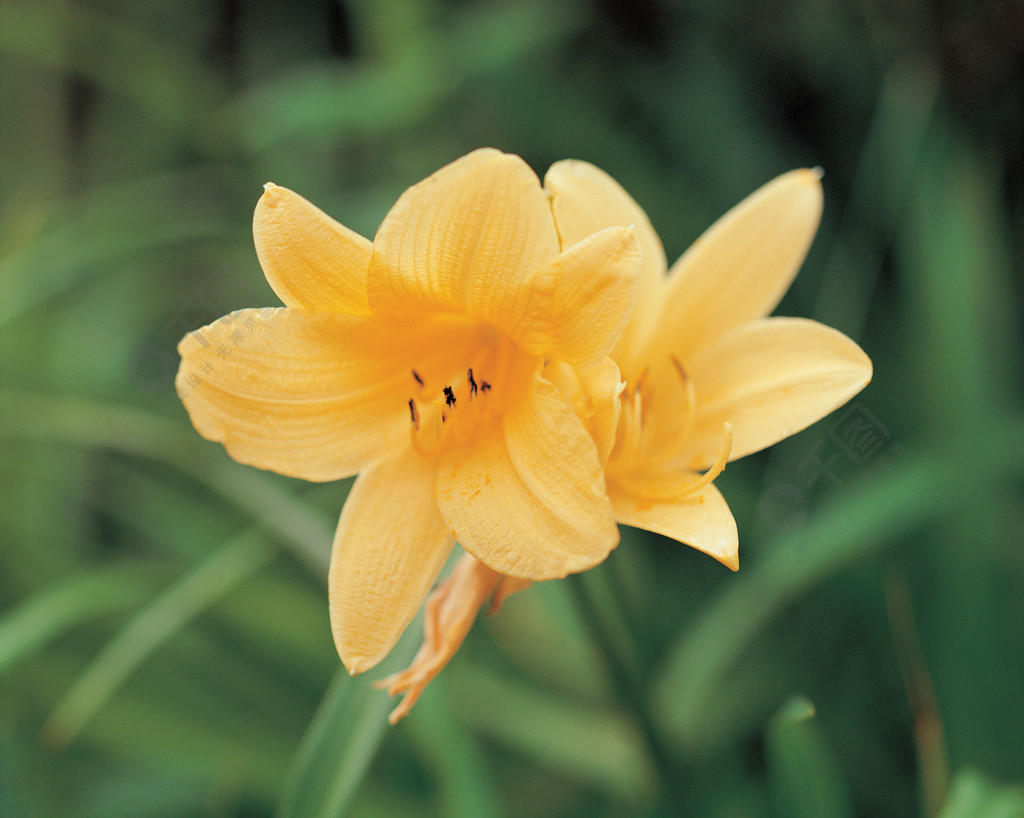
(449, 411)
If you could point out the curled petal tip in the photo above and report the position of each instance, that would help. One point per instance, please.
(818, 171)
(269, 187)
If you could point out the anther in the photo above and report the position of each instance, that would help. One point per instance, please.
(417, 378)
(472, 383)
(485, 387)
(449, 396)
(415, 414)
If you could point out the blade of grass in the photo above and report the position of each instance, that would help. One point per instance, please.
(804, 775)
(316, 102)
(104, 228)
(974, 795)
(591, 744)
(82, 422)
(451, 752)
(342, 739)
(878, 196)
(866, 517)
(151, 627)
(932, 760)
(956, 249)
(33, 623)
(167, 83)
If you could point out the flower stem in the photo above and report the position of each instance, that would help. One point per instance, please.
(629, 689)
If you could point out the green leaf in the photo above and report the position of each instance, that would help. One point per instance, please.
(974, 795)
(452, 753)
(35, 621)
(109, 226)
(342, 738)
(865, 517)
(94, 424)
(957, 249)
(153, 626)
(590, 744)
(320, 101)
(805, 778)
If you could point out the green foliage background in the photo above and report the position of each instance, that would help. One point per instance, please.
(164, 644)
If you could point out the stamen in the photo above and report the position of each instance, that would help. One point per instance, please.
(657, 489)
(717, 467)
(428, 438)
(632, 423)
(691, 413)
(436, 424)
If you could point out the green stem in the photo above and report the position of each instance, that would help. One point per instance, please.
(629, 690)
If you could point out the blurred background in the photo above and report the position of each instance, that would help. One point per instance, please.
(164, 641)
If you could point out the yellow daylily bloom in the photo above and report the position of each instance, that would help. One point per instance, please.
(708, 377)
(416, 361)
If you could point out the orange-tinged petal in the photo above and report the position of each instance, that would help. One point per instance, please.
(701, 520)
(770, 379)
(466, 238)
(449, 614)
(742, 265)
(584, 200)
(530, 502)
(309, 259)
(390, 545)
(311, 395)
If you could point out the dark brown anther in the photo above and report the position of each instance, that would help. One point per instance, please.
(485, 387)
(414, 413)
(449, 396)
(472, 384)
(417, 378)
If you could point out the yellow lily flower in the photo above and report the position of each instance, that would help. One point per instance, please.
(415, 361)
(708, 378)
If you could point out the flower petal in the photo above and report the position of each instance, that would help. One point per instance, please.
(702, 520)
(742, 265)
(390, 545)
(311, 395)
(770, 379)
(464, 239)
(529, 500)
(593, 393)
(585, 200)
(449, 614)
(595, 286)
(309, 259)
